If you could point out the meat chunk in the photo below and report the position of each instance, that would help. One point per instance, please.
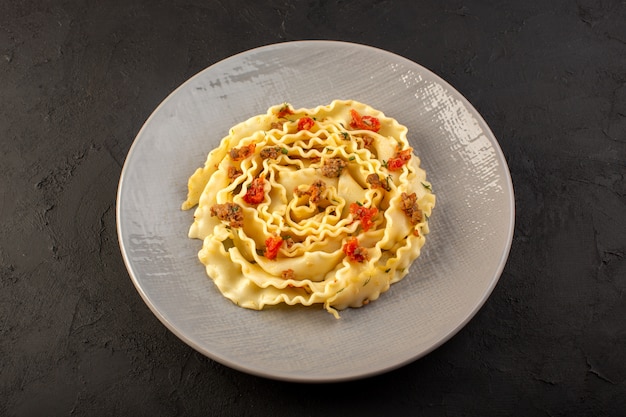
(368, 142)
(271, 152)
(375, 181)
(332, 167)
(233, 172)
(410, 207)
(239, 154)
(314, 191)
(229, 212)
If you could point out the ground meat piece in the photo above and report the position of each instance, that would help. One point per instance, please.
(288, 274)
(368, 141)
(233, 172)
(229, 212)
(410, 207)
(332, 167)
(277, 125)
(238, 154)
(314, 191)
(375, 181)
(271, 152)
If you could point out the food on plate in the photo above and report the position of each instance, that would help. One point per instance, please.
(326, 206)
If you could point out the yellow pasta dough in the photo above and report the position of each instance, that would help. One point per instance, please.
(310, 206)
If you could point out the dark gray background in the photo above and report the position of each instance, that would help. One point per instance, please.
(79, 78)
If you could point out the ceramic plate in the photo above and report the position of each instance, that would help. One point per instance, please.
(471, 226)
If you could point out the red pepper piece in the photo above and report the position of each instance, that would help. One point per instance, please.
(354, 252)
(364, 122)
(272, 245)
(255, 193)
(284, 111)
(305, 123)
(364, 214)
(398, 161)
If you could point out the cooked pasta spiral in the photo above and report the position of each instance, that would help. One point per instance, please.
(310, 206)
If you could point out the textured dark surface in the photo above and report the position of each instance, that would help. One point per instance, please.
(79, 78)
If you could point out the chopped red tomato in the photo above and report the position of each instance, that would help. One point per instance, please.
(305, 123)
(256, 192)
(364, 214)
(284, 111)
(355, 252)
(238, 154)
(398, 161)
(272, 244)
(364, 122)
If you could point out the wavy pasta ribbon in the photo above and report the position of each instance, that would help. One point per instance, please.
(310, 206)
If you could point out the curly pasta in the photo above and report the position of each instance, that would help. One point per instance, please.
(310, 206)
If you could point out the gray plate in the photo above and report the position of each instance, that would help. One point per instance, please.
(471, 227)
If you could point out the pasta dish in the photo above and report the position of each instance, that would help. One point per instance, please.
(310, 206)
